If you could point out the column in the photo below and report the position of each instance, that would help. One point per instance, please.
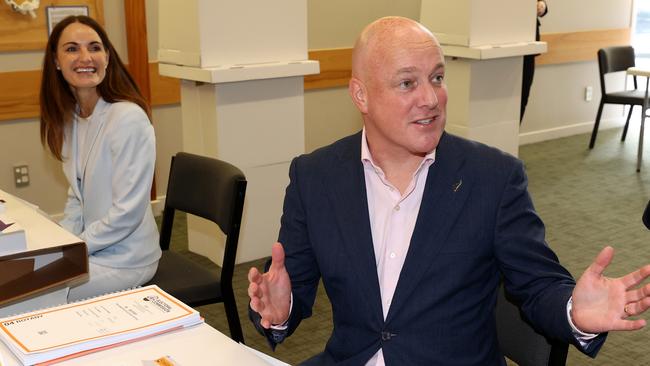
(242, 66)
(483, 43)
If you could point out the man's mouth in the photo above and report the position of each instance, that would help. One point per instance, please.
(424, 122)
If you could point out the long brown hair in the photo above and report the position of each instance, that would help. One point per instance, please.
(57, 101)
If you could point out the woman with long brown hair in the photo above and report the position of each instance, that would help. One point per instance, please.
(96, 122)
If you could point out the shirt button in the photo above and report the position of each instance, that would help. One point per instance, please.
(392, 255)
(397, 208)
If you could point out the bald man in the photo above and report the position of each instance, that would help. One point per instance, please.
(411, 229)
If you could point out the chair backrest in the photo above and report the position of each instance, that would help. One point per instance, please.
(519, 341)
(614, 59)
(209, 188)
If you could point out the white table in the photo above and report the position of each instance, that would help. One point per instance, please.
(644, 72)
(198, 345)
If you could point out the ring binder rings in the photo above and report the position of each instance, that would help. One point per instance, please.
(59, 333)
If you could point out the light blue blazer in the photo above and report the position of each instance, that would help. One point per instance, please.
(109, 205)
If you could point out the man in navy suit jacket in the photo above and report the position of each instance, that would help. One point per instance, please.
(411, 229)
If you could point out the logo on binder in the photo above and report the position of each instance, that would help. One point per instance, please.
(155, 300)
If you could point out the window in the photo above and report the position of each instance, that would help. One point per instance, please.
(641, 29)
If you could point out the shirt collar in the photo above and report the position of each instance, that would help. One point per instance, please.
(366, 157)
(99, 108)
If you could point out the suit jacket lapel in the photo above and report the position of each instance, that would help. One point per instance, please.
(349, 199)
(444, 197)
(94, 127)
(69, 155)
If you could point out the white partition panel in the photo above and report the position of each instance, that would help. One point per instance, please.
(242, 64)
(474, 23)
(483, 43)
(211, 33)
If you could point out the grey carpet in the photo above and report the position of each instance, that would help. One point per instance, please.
(588, 199)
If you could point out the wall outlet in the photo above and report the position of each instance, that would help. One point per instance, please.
(589, 93)
(21, 175)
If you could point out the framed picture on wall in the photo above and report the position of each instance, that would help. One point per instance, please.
(56, 13)
(22, 32)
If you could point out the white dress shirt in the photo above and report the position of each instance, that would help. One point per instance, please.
(392, 220)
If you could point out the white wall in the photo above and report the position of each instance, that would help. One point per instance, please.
(556, 106)
(329, 113)
(19, 139)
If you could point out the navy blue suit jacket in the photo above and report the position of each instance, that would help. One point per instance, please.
(476, 223)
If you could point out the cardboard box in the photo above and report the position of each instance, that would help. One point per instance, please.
(53, 258)
(475, 23)
(205, 34)
(21, 276)
(12, 236)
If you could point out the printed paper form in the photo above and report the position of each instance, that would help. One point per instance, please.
(194, 346)
(115, 317)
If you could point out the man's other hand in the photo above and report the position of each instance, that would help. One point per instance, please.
(602, 304)
(270, 292)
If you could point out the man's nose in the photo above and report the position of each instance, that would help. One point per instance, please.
(428, 97)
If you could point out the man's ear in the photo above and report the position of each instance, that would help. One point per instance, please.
(359, 94)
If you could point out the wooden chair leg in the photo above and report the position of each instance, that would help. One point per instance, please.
(627, 122)
(592, 141)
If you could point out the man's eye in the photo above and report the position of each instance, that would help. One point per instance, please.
(438, 78)
(406, 84)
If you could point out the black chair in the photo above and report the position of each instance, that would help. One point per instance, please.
(616, 59)
(214, 190)
(520, 342)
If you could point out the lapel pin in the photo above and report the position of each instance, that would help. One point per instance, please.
(456, 186)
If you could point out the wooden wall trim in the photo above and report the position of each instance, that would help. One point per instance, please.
(21, 100)
(164, 90)
(580, 46)
(335, 68)
(136, 42)
(135, 19)
(335, 65)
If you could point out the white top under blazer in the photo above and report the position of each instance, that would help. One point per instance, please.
(108, 202)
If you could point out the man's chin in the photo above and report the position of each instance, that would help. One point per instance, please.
(431, 143)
